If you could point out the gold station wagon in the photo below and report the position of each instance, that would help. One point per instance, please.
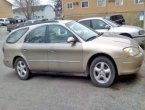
(66, 46)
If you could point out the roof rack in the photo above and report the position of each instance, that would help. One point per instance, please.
(48, 21)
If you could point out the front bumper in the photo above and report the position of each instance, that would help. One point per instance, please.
(139, 39)
(129, 65)
(8, 63)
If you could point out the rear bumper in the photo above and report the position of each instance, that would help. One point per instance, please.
(129, 65)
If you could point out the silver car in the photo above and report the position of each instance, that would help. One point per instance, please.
(102, 24)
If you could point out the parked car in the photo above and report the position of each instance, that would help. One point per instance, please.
(117, 18)
(102, 24)
(67, 46)
(4, 21)
(20, 23)
(31, 22)
(12, 20)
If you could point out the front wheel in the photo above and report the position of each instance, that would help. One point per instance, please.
(22, 69)
(102, 72)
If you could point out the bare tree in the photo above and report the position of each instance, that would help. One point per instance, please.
(58, 8)
(27, 7)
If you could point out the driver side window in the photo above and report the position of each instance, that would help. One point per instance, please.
(98, 24)
(58, 34)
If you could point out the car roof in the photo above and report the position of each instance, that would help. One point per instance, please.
(91, 18)
(47, 22)
(3, 18)
(115, 15)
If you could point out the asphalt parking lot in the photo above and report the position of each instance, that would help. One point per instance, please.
(57, 92)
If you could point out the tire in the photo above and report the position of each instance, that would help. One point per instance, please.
(22, 69)
(102, 72)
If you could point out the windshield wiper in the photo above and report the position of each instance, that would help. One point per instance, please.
(91, 38)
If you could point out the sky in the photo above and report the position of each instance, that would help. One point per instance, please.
(43, 2)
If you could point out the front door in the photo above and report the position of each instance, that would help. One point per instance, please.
(99, 25)
(63, 56)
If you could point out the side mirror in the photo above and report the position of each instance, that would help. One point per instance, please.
(107, 27)
(71, 40)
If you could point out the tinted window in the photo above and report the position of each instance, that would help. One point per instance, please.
(37, 35)
(1, 19)
(98, 24)
(58, 34)
(113, 18)
(120, 17)
(16, 35)
(86, 22)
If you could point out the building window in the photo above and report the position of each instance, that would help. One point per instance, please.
(85, 4)
(101, 3)
(138, 1)
(70, 5)
(119, 2)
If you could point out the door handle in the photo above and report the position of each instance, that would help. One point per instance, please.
(51, 51)
(24, 49)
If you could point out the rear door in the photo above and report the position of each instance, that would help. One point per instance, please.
(35, 49)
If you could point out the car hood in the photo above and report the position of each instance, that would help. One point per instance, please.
(115, 40)
(128, 28)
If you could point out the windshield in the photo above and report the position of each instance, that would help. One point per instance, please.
(82, 31)
(113, 24)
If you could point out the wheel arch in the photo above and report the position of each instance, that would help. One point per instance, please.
(16, 57)
(98, 55)
(126, 34)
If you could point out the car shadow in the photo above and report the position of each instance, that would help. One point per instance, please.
(62, 76)
(121, 81)
(125, 81)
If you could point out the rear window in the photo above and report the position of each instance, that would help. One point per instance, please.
(116, 17)
(16, 35)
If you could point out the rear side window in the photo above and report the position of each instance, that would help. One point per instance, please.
(86, 22)
(113, 18)
(15, 36)
(120, 17)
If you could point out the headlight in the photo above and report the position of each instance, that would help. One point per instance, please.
(141, 32)
(131, 51)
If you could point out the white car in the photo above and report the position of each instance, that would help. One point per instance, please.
(4, 21)
(102, 24)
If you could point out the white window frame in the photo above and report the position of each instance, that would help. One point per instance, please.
(84, 1)
(101, 6)
(137, 3)
(68, 3)
(119, 4)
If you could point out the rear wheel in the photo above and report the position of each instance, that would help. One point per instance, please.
(22, 69)
(102, 72)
